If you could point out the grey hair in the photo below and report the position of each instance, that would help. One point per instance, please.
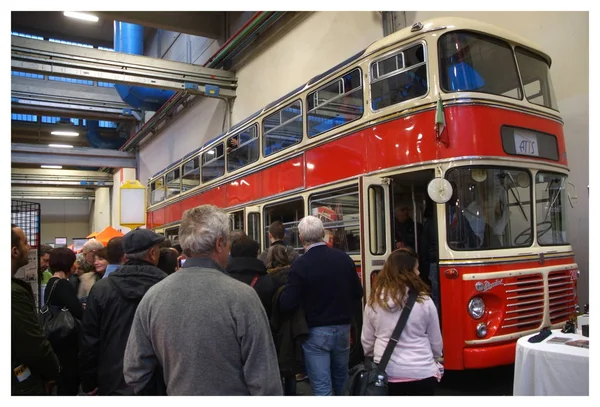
(92, 244)
(139, 256)
(311, 230)
(201, 227)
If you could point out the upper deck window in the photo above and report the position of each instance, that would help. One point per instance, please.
(399, 77)
(191, 174)
(242, 148)
(283, 128)
(472, 62)
(535, 74)
(213, 163)
(157, 191)
(173, 182)
(335, 104)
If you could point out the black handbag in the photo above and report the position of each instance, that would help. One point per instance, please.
(57, 322)
(369, 378)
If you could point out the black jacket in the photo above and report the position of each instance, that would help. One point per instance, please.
(29, 347)
(290, 330)
(325, 283)
(244, 269)
(107, 320)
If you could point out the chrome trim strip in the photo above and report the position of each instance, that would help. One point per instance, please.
(515, 273)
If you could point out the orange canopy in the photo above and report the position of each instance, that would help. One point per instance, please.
(107, 234)
(92, 235)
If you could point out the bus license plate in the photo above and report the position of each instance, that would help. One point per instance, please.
(526, 144)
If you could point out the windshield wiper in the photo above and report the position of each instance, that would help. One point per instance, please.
(517, 196)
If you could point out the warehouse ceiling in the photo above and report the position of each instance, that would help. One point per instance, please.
(34, 97)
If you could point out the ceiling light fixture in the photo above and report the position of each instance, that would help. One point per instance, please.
(81, 16)
(60, 145)
(64, 133)
(55, 167)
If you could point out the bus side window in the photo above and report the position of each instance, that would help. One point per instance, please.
(288, 212)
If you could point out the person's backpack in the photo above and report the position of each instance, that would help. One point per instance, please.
(370, 378)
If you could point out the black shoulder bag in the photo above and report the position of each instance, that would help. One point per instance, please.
(57, 322)
(369, 378)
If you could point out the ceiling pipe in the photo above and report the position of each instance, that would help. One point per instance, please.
(129, 39)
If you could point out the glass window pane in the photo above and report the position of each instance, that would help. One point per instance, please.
(236, 220)
(173, 182)
(490, 208)
(157, 191)
(242, 149)
(254, 226)
(339, 212)
(289, 213)
(551, 209)
(399, 88)
(191, 174)
(477, 63)
(338, 109)
(285, 130)
(213, 163)
(535, 74)
(377, 226)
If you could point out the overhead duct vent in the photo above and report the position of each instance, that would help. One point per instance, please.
(129, 39)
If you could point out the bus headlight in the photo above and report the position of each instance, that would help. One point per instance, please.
(476, 307)
(481, 330)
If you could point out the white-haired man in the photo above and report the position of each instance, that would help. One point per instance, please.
(89, 251)
(325, 283)
(207, 331)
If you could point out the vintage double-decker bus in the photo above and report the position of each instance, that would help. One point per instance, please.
(453, 113)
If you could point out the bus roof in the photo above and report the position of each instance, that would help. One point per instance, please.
(457, 23)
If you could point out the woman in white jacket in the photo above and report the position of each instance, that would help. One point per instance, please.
(412, 369)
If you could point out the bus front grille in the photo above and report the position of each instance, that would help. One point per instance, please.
(561, 295)
(525, 303)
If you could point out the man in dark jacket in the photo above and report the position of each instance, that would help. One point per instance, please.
(325, 283)
(276, 236)
(34, 365)
(109, 314)
(247, 268)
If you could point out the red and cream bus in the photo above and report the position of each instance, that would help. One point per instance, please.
(451, 110)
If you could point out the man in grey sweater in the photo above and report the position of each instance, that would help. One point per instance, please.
(207, 331)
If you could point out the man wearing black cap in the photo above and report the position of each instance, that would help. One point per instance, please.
(109, 314)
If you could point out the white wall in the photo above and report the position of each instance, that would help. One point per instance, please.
(317, 43)
(181, 47)
(314, 45)
(69, 229)
(564, 36)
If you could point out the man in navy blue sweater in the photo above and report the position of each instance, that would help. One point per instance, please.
(324, 282)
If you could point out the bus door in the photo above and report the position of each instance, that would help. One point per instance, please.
(253, 228)
(376, 223)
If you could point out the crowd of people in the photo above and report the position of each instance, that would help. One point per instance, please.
(215, 316)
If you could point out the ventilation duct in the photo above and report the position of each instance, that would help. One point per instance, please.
(95, 140)
(129, 39)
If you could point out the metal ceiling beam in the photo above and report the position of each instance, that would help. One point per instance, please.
(37, 192)
(38, 95)
(203, 24)
(77, 156)
(38, 176)
(77, 62)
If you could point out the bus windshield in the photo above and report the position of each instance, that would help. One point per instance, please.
(473, 62)
(491, 208)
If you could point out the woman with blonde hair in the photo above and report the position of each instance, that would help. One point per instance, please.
(412, 369)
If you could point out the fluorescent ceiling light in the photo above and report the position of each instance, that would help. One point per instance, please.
(81, 16)
(60, 145)
(64, 133)
(56, 167)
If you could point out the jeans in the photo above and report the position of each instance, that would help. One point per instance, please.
(326, 356)
(434, 278)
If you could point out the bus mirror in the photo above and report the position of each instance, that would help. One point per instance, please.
(572, 195)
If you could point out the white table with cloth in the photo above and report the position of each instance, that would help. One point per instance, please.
(551, 369)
